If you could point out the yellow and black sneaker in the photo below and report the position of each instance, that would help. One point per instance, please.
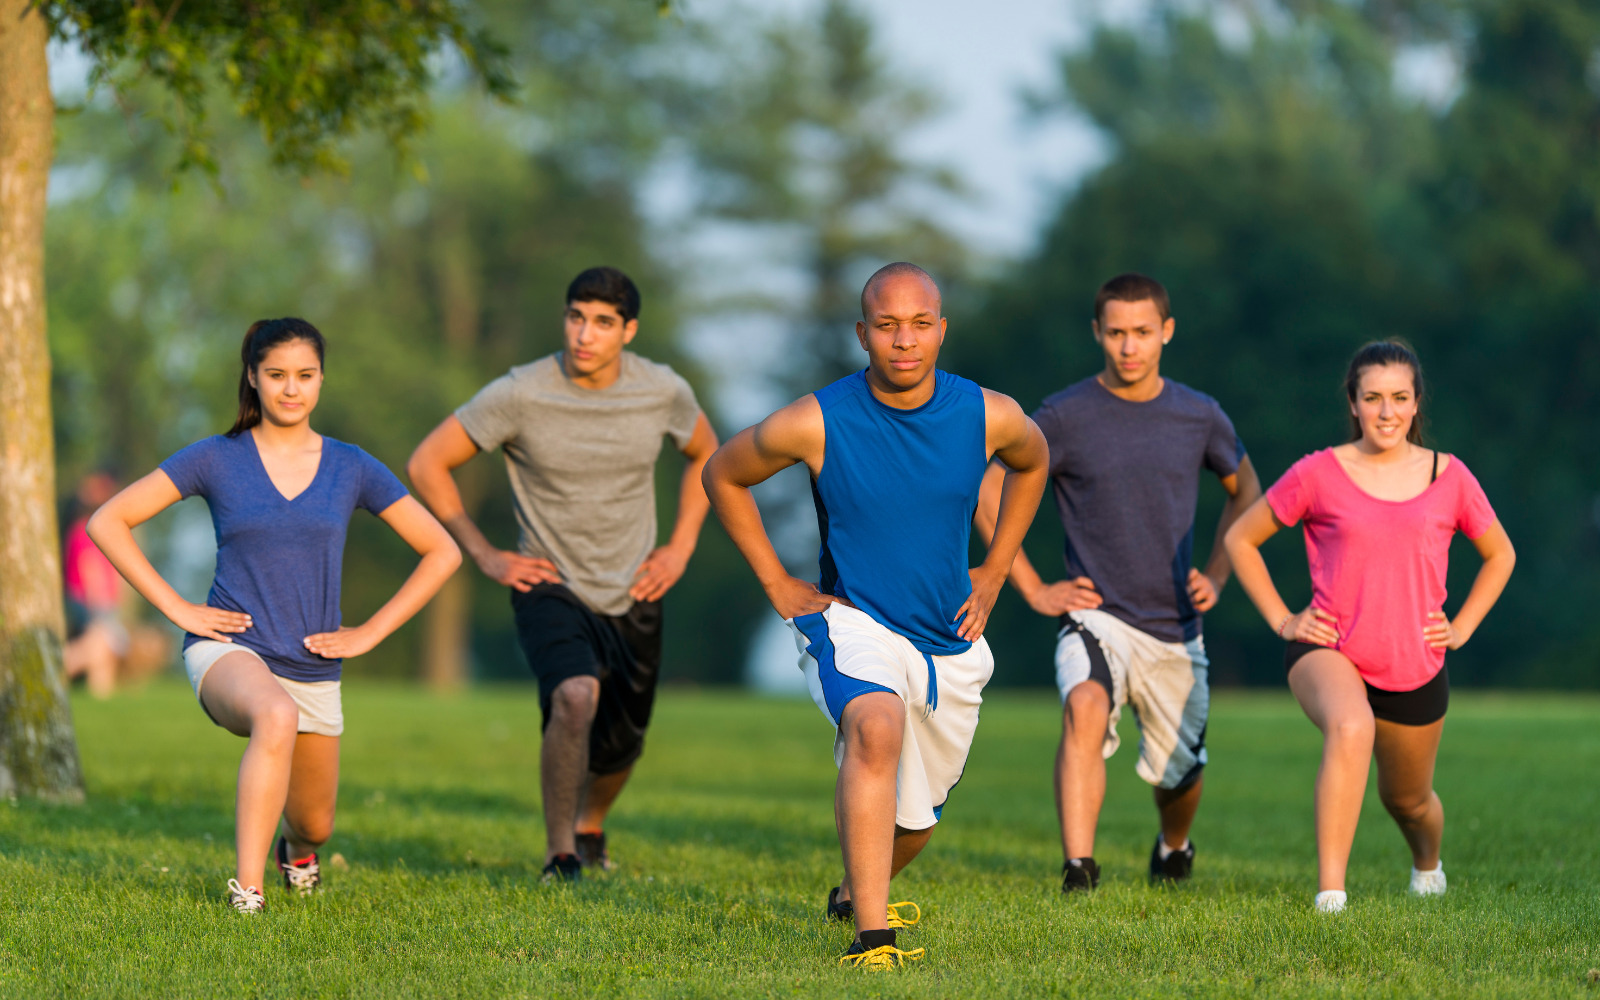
(875, 951)
(904, 914)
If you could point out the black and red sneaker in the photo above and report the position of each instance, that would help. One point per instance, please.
(303, 876)
(563, 868)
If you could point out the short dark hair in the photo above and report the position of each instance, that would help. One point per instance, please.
(1132, 287)
(608, 285)
(894, 270)
(1377, 354)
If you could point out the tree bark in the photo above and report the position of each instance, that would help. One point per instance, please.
(38, 754)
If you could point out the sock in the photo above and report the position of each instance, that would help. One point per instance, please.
(1166, 851)
(875, 939)
(1438, 866)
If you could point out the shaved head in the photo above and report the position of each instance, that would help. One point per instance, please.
(889, 272)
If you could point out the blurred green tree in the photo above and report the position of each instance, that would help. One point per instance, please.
(1297, 203)
(311, 76)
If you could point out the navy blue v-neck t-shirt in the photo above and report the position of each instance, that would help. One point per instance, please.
(279, 560)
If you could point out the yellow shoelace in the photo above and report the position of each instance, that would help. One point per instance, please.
(898, 920)
(880, 959)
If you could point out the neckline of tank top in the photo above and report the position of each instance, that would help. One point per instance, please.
(866, 386)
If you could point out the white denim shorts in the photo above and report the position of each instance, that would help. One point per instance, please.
(321, 709)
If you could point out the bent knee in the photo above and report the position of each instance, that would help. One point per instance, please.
(313, 830)
(1088, 704)
(277, 721)
(874, 733)
(1354, 730)
(576, 699)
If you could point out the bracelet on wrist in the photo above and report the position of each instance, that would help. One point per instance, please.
(1286, 619)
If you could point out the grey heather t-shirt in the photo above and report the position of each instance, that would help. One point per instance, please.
(582, 465)
(1126, 478)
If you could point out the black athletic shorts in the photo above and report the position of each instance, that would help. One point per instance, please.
(562, 638)
(1420, 707)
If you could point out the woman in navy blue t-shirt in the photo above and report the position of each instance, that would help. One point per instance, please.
(264, 651)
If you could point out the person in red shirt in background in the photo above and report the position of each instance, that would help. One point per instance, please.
(1366, 658)
(101, 647)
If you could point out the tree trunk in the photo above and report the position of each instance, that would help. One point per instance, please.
(38, 755)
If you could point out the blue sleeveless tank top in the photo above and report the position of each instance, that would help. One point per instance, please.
(895, 500)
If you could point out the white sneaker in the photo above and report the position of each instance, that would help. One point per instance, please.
(1330, 901)
(245, 899)
(1428, 883)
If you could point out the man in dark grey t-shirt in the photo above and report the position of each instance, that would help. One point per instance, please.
(581, 431)
(1126, 451)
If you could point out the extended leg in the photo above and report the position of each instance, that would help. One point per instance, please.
(1406, 757)
(313, 794)
(600, 792)
(872, 727)
(1330, 691)
(564, 760)
(241, 693)
(1177, 807)
(1081, 767)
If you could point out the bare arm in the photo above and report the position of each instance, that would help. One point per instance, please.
(440, 558)
(111, 528)
(790, 436)
(663, 567)
(448, 447)
(1499, 558)
(1052, 599)
(1243, 541)
(1019, 446)
(1243, 489)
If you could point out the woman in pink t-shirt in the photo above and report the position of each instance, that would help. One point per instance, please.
(1366, 658)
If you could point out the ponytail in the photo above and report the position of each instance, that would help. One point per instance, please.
(263, 336)
(1378, 353)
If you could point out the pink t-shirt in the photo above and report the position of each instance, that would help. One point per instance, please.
(1379, 565)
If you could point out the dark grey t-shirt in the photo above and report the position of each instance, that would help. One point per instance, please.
(1126, 478)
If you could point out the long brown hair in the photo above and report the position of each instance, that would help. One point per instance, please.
(263, 336)
(1393, 351)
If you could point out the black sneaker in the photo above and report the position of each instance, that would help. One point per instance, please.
(304, 877)
(592, 851)
(837, 910)
(1079, 875)
(563, 868)
(1177, 866)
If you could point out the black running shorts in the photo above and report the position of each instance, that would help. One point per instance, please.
(562, 639)
(1420, 707)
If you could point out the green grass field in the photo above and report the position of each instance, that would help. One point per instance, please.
(726, 849)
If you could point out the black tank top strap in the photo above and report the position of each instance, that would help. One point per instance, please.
(1435, 476)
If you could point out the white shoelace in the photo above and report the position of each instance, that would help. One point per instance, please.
(245, 899)
(302, 878)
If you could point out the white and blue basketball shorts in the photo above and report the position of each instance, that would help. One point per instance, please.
(1165, 682)
(845, 653)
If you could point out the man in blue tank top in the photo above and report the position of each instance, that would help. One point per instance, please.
(1127, 447)
(892, 634)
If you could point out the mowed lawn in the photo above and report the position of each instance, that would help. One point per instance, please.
(726, 849)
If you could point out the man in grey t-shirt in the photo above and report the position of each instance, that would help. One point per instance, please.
(581, 431)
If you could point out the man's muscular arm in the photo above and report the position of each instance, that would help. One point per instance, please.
(1018, 444)
(1050, 599)
(446, 448)
(1243, 487)
(788, 437)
